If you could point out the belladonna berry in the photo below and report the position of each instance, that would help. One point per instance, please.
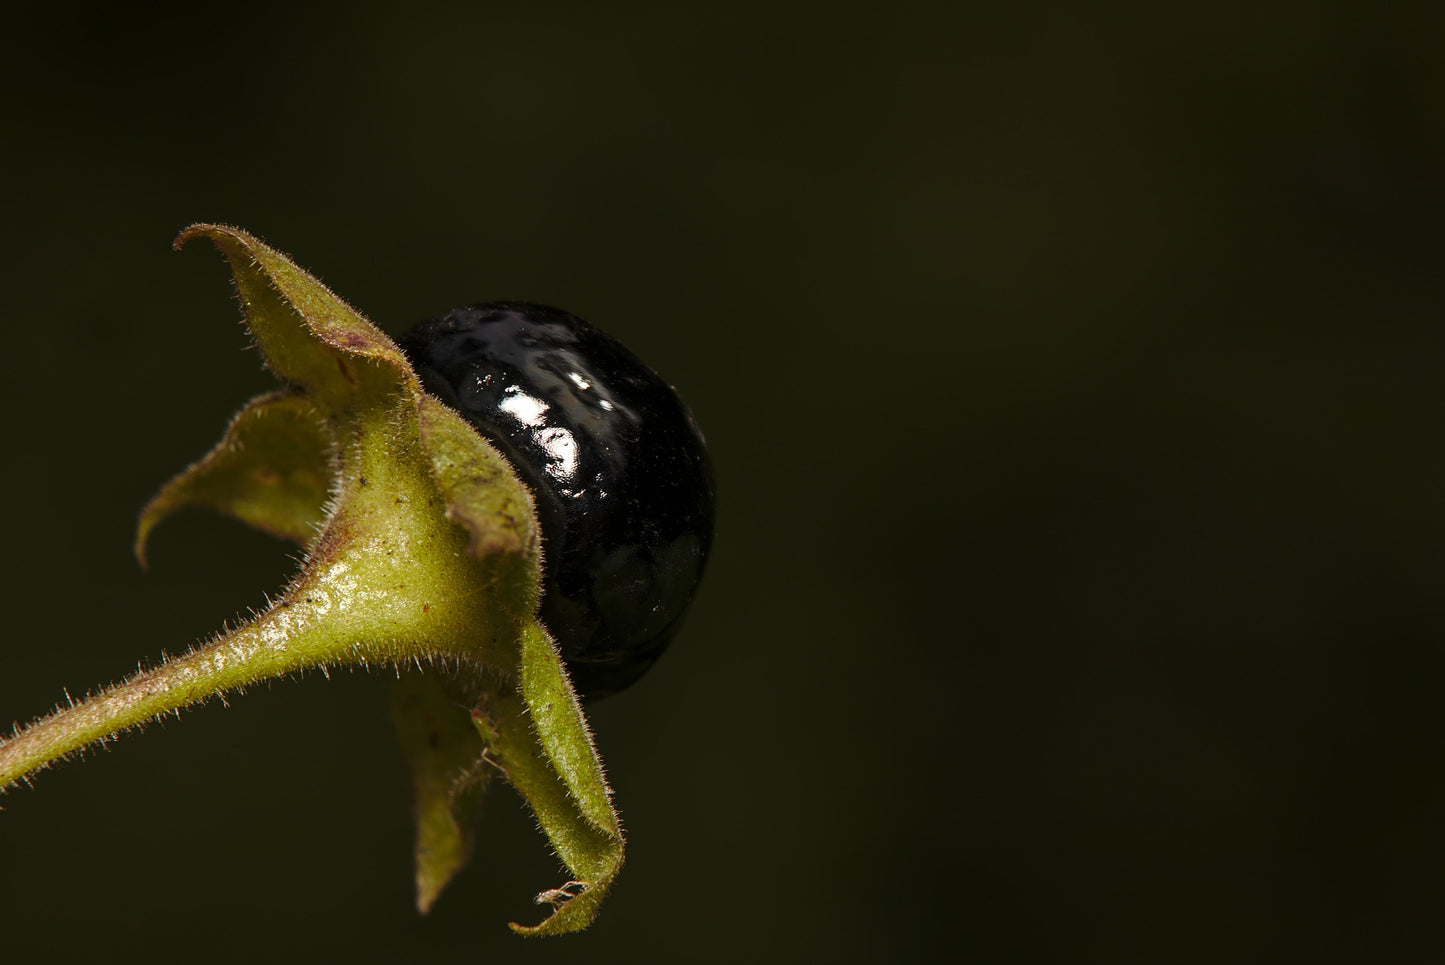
(619, 470)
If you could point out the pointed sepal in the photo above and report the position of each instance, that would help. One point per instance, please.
(272, 470)
(449, 774)
(308, 335)
(484, 497)
(540, 739)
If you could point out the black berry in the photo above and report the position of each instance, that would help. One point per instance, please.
(623, 484)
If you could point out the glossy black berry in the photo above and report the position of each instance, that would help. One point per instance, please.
(621, 476)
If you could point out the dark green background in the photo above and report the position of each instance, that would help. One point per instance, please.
(1075, 386)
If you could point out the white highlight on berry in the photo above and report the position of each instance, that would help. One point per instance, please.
(526, 409)
(561, 449)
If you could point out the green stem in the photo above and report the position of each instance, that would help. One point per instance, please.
(389, 581)
(274, 644)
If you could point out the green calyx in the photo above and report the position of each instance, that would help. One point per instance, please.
(422, 554)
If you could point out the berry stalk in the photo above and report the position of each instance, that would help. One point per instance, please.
(393, 592)
(254, 652)
(327, 618)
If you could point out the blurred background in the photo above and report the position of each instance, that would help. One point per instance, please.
(1075, 386)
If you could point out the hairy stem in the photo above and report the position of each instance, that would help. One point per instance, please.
(274, 644)
(390, 579)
